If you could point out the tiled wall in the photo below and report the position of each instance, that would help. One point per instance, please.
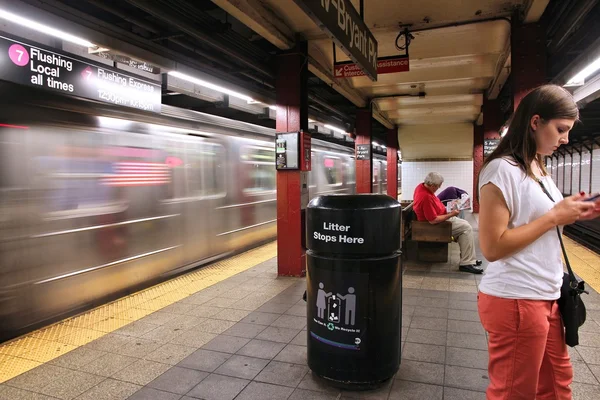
(455, 173)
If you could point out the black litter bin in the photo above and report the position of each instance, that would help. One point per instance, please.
(354, 288)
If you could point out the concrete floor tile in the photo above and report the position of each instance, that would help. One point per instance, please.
(277, 334)
(141, 372)
(280, 373)
(110, 343)
(302, 394)
(466, 378)
(138, 348)
(261, 349)
(13, 393)
(301, 339)
(136, 328)
(292, 354)
(417, 371)
(290, 321)
(469, 358)
(218, 387)
(147, 393)
(260, 318)
(194, 338)
(426, 336)
(178, 380)
(226, 344)
(436, 324)
(108, 365)
(297, 310)
(583, 374)
(424, 352)
(71, 386)
(314, 383)
(405, 390)
(110, 389)
(462, 315)
(77, 358)
(264, 391)
(170, 353)
(461, 394)
(275, 308)
(581, 391)
(204, 360)
(474, 328)
(221, 302)
(204, 311)
(231, 314)
(430, 312)
(162, 334)
(462, 305)
(158, 318)
(590, 355)
(37, 378)
(244, 330)
(242, 367)
(467, 341)
(216, 326)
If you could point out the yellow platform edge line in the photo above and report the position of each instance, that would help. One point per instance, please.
(584, 262)
(35, 348)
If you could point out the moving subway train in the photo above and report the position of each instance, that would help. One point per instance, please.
(96, 201)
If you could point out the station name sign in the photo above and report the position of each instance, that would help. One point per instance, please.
(36, 66)
(348, 30)
(387, 65)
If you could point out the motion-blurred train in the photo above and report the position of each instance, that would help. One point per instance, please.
(97, 201)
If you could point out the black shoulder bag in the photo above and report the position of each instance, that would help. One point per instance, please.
(570, 303)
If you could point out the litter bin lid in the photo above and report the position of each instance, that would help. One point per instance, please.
(362, 224)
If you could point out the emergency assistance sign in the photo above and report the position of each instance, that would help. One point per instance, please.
(347, 29)
(387, 65)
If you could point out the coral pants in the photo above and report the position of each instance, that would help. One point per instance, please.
(528, 355)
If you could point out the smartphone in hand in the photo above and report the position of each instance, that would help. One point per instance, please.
(593, 198)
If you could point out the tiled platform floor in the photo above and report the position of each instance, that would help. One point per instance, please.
(214, 345)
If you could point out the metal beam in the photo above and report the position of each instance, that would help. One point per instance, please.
(340, 85)
(261, 20)
(175, 20)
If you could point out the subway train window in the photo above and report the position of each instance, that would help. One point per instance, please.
(333, 170)
(351, 169)
(213, 171)
(261, 170)
(312, 175)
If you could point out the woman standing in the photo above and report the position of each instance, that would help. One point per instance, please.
(528, 357)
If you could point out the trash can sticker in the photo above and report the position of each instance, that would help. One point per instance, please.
(340, 305)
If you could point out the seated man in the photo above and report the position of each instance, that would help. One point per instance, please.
(428, 207)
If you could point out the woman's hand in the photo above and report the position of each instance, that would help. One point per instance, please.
(572, 209)
(592, 214)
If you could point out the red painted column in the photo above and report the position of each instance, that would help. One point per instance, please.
(392, 163)
(292, 116)
(528, 58)
(492, 122)
(364, 168)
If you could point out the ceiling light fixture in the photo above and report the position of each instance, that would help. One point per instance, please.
(580, 78)
(36, 26)
(212, 86)
(333, 128)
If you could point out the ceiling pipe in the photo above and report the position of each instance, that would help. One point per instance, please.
(173, 38)
(167, 16)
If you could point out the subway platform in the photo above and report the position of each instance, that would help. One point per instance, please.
(234, 330)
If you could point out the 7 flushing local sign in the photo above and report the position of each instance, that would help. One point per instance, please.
(37, 66)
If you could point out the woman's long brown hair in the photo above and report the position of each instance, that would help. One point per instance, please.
(547, 101)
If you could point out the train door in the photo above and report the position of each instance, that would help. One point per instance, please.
(204, 181)
(214, 183)
(376, 177)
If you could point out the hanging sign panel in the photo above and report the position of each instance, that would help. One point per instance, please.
(385, 65)
(38, 66)
(348, 30)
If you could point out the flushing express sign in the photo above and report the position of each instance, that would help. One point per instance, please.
(350, 33)
(35, 66)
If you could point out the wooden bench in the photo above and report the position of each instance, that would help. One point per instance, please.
(423, 241)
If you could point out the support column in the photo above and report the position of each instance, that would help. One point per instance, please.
(528, 58)
(392, 163)
(292, 116)
(492, 122)
(364, 168)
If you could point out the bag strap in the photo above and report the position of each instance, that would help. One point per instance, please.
(572, 279)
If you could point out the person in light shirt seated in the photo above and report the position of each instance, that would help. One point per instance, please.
(429, 208)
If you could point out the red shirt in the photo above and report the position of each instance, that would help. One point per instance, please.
(426, 205)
